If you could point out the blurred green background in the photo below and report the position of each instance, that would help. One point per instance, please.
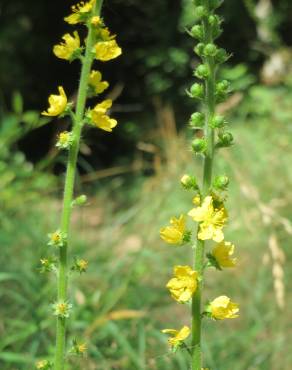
(131, 178)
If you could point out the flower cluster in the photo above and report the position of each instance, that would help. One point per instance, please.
(209, 211)
(100, 46)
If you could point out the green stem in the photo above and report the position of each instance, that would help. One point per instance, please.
(207, 181)
(69, 189)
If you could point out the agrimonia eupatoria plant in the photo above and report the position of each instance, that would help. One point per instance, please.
(209, 194)
(99, 45)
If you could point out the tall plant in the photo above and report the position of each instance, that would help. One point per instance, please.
(99, 45)
(209, 193)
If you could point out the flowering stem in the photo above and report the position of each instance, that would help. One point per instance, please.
(69, 188)
(209, 103)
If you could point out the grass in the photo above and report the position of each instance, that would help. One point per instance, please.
(121, 303)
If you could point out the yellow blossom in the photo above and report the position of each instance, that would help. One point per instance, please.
(81, 348)
(79, 11)
(222, 253)
(211, 220)
(65, 139)
(95, 80)
(197, 200)
(66, 49)
(99, 117)
(96, 21)
(105, 34)
(57, 103)
(184, 284)
(107, 50)
(174, 234)
(62, 309)
(42, 364)
(177, 336)
(222, 308)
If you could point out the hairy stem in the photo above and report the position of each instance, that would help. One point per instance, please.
(207, 180)
(69, 189)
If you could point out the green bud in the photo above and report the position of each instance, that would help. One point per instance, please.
(197, 91)
(221, 182)
(218, 122)
(215, 21)
(210, 50)
(197, 32)
(199, 49)
(199, 145)
(80, 201)
(200, 12)
(221, 56)
(225, 140)
(202, 71)
(222, 86)
(189, 182)
(197, 120)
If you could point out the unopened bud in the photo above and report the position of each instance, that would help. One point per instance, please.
(197, 32)
(201, 11)
(79, 201)
(197, 91)
(199, 145)
(199, 49)
(221, 56)
(197, 120)
(225, 139)
(218, 122)
(189, 182)
(202, 71)
(210, 50)
(221, 182)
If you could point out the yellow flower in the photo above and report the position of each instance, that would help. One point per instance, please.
(96, 21)
(197, 200)
(184, 284)
(105, 35)
(62, 309)
(95, 81)
(66, 49)
(174, 234)
(177, 336)
(42, 364)
(107, 50)
(81, 348)
(79, 11)
(211, 220)
(222, 253)
(100, 119)
(65, 140)
(222, 308)
(57, 103)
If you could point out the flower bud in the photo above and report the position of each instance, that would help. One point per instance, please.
(202, 71)
(197, 32)
(222, 86)
(210, 50)
(199, 145)
(225, 140)
(199, 49)
(79, 201)
(221, 56)
(197, 91)
(218, 122)
(197, 120)
(201, 11)
(215, 21)
(189, 182)
(221, 182)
